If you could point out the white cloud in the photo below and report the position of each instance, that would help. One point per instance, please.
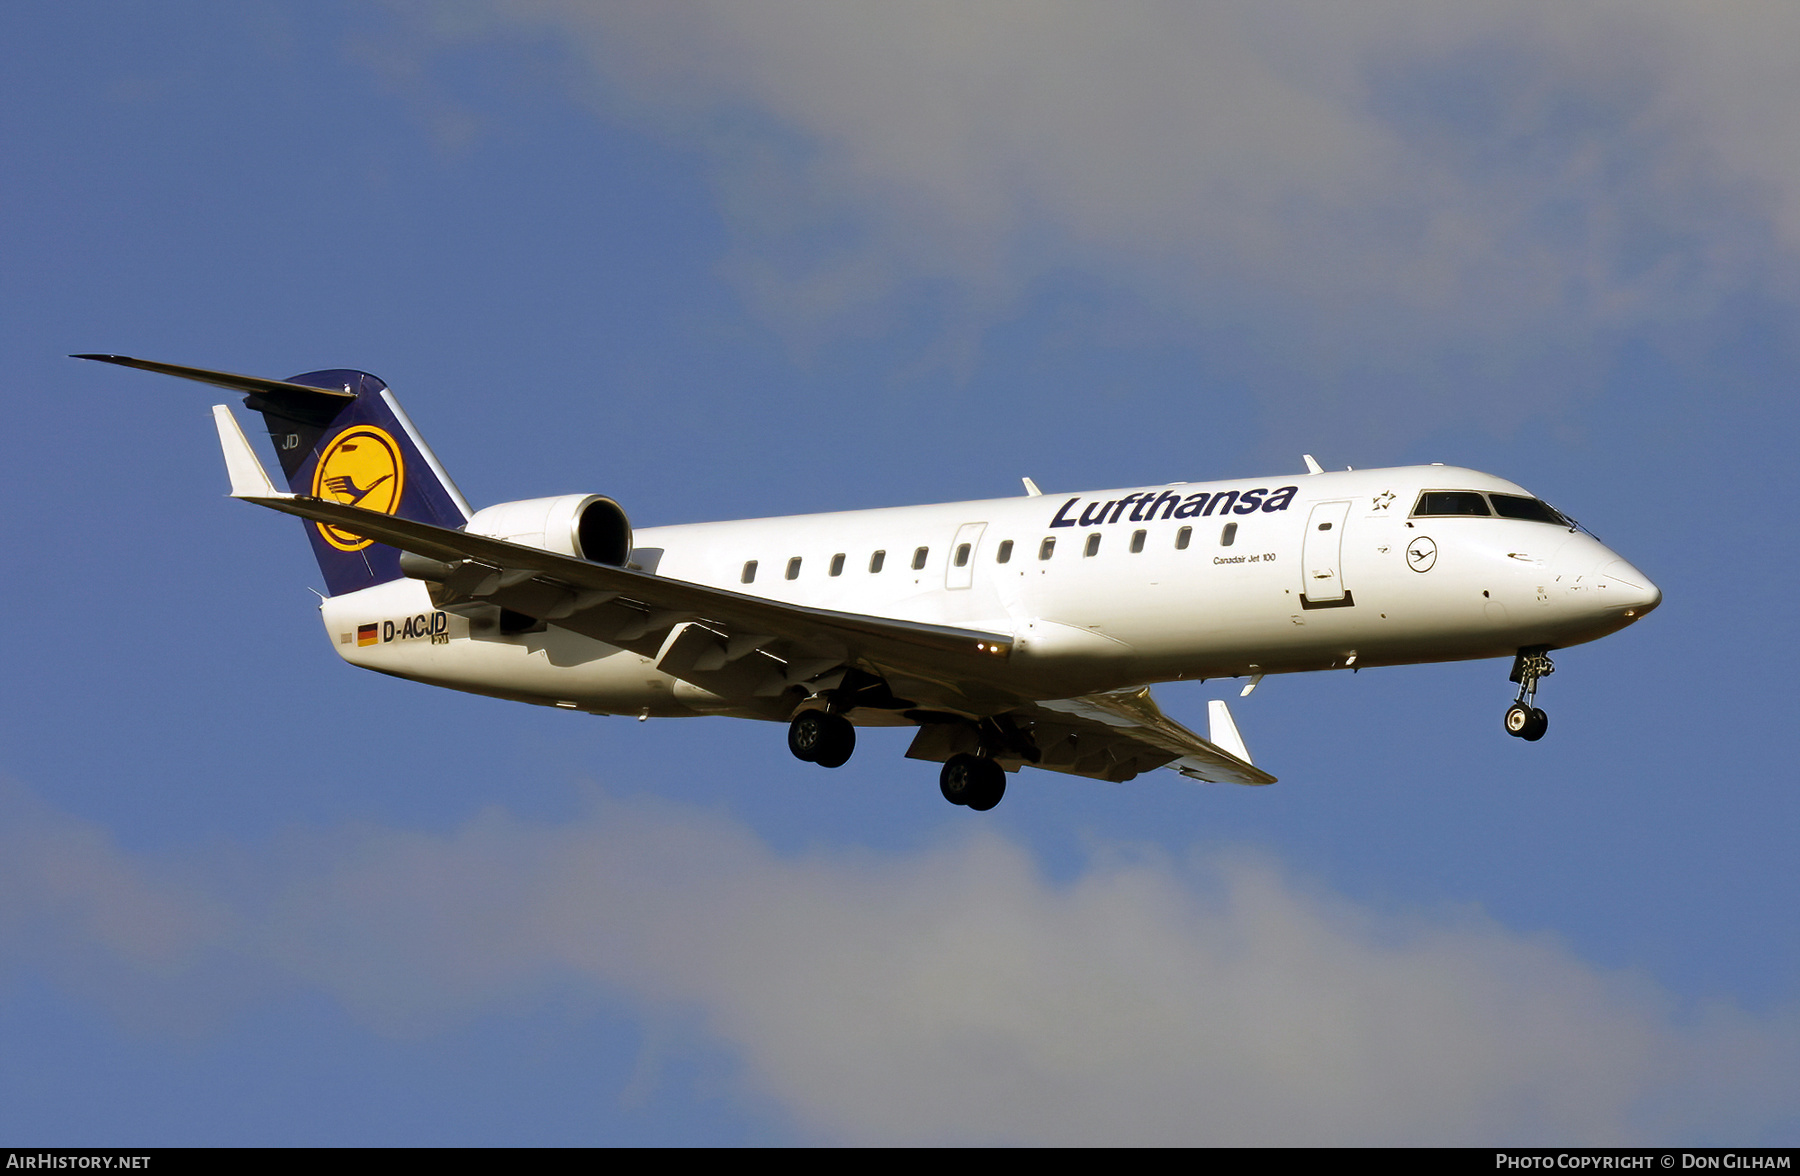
(1389, 214)
(955, 994)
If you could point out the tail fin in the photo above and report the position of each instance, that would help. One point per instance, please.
(340, 435)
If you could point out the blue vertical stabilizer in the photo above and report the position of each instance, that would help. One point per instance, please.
(341, 436)
(365, 453)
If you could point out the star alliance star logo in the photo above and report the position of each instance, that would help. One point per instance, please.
(1384, 500)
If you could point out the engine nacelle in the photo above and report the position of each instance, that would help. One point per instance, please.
(586, 526)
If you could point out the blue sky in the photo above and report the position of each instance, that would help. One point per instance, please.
(735, 260)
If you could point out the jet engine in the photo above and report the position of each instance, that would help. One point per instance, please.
(586, 526)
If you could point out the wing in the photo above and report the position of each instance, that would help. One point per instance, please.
(736, 646)
(749, 647)
(636, 610)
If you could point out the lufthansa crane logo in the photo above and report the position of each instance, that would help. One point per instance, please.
(361, 467)
(1421, 553)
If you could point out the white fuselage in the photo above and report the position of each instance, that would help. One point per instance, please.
(1337, 575)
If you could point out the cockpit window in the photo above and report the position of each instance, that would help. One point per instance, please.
(1439, 504)
(1450, 504)
(1517, 506)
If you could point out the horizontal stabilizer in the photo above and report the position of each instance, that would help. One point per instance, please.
(248, 478)
(251, 385)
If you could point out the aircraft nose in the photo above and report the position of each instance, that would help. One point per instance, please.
(1627, 586)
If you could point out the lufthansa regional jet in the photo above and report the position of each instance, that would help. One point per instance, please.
(1009, 631)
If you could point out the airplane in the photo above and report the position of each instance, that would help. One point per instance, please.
(1009, 632)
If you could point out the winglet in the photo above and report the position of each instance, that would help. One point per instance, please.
(1222, 732)
(1312, 464)
(248, 478)
(1031, 490)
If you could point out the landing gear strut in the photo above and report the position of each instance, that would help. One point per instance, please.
(822, 738)
(972, 780)
(1523, 720)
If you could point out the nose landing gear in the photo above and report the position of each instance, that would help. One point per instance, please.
(1523, 720)
(1526, 722)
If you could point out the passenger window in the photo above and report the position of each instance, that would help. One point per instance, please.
(919, 557)
(876, 560)
(1450, 504)
(1137, 542)
(1047, 548)
(1005, 555)
(962, 555)
(1182, 537)
(837, 564)
(749, 576)
(1228, 536)
(794, 568)
(1093, 544)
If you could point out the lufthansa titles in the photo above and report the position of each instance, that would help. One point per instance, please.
(1145, 507)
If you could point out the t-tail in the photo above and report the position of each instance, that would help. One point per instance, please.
(341, 436)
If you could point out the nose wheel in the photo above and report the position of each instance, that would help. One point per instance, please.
(1526, 722)
(819, 737)
(1523, 720)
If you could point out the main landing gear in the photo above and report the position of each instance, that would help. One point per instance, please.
(1523, 720)
(820, 737)
(972, 780)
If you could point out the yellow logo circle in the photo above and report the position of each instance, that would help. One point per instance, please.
(361, 467)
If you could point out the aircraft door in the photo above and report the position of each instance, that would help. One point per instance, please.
(1321, 557)
(959, 569)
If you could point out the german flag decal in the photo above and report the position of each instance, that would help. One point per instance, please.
(366, 634)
